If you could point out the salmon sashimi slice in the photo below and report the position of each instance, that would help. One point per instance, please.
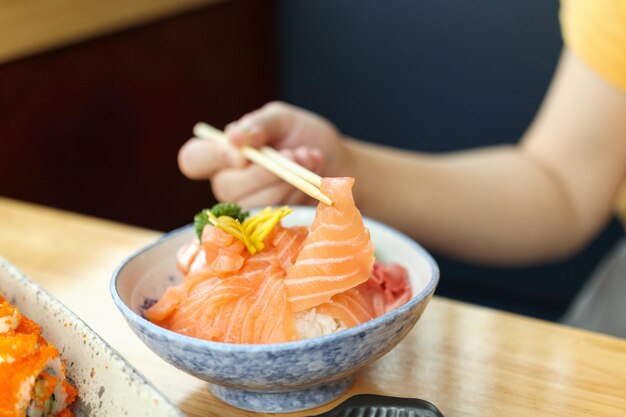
(350, 308)
(220, 277)
(217, 253)
(336, 255)
(224, 253)
(166, 305)
(274, 323)
(196, 313)
(179, 306)
(176, 295)
(286, 244)
(250, 307)
(186, 256)
(386, 289)
(263, 316)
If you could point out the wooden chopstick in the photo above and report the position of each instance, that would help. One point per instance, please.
(292, 166)
(295, 174)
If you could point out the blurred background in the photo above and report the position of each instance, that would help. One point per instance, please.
(97, 97)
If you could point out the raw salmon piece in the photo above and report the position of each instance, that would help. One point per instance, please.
(337, 254)
(223, 252)
(174, 296)
(274, 318)
(219, 252)
(282, 247)
(196, 313)
(250, 307)
(260, 316)
(166, 305)
(186, 255)
(349, 307)
(185, 316)
(287, 245)
(199, 263)
(386, 289)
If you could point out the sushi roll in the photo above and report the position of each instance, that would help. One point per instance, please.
(32, 375)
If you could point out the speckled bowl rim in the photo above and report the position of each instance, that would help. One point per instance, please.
(286, 346)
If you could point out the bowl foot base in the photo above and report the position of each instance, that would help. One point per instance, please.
(284, 401)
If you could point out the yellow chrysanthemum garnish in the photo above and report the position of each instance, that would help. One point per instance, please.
(253, 231)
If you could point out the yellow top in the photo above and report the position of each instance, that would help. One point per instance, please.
(595, 30)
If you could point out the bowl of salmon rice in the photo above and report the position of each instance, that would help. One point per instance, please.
(277, 309)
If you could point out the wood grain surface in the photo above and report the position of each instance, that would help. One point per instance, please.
(468, 361)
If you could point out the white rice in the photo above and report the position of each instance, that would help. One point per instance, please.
(310, 323)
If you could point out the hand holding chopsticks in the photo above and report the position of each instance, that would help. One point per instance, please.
(306, 181)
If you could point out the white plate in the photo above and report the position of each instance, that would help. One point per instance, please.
(108, 386)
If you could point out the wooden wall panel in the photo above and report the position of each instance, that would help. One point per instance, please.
(29, 27)
(96, 127)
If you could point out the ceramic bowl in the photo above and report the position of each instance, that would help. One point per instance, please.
(281, 377)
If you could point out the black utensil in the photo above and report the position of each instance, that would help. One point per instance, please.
(370, 405)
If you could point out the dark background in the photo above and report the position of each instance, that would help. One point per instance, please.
(95, 127)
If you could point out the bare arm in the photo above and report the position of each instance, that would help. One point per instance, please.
(540, 200)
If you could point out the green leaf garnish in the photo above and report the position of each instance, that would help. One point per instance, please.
(220, 209)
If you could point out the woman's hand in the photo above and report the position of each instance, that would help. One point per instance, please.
(300, 135)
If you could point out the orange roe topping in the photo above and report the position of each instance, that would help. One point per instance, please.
(7, 309)
(28, 326)
(14, 347)
(30, 355)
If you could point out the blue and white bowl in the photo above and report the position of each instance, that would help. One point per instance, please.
(281, 377)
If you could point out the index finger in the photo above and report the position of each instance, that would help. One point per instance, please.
(269, 124)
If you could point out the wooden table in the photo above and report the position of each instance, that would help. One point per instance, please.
(467, 360)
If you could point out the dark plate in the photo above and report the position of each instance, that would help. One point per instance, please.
(369, 405)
